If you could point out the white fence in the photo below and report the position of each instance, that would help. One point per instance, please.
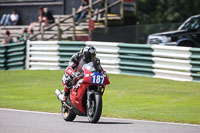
(168, 62)
(47, 55)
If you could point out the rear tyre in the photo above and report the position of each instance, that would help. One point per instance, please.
(95, 109)
(67, 114)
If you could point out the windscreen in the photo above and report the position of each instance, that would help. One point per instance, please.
(89, 66)
(192, 24)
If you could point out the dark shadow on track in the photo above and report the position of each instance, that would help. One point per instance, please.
(106, 122)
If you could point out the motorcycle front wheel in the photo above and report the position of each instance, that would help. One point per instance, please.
(95, 108)
(67, 114)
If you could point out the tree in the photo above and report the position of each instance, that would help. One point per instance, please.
(166, 11)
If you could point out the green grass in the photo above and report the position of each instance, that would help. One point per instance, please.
(126, 97)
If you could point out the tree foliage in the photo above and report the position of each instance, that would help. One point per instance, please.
(166, 11)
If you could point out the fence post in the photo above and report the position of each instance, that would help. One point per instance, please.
(59, 30)
(6, 58)
(90, 16)
(27, 54)
(42, 31)
(135, 8)
(90, 9)
(64, 7)
(106, 13)
(137, 32)
(122, 9)
(74, 24)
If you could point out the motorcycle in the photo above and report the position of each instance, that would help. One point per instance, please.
(85, 98)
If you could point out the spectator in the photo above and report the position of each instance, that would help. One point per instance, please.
(41, 17)
(82, 14)
(48, 17)
(31, 32)
(10, 19)
(45, 16)
(8, 38)
(24, 36)
(14, 18)
(5, 19)
(97, 8)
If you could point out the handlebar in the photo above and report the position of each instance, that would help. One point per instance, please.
(80, 75)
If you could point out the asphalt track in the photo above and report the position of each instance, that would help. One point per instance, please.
(17, 121)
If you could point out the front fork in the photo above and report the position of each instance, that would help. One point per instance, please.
(90, 92)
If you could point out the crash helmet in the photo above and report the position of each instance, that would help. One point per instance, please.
(89, 54)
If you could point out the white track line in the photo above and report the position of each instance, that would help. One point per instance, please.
(27, 111)
(146, 121)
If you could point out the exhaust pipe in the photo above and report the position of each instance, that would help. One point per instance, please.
(59, 95)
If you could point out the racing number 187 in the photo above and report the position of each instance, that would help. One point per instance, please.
(98, 79)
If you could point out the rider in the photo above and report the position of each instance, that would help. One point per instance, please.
(84, 56)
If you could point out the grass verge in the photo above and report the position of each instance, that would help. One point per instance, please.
(126, 97)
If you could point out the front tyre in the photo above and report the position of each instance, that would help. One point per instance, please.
(95, 108)
(67, 114)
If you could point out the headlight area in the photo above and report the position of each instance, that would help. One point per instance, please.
(161, 40)
(165, 39)
(168, 41)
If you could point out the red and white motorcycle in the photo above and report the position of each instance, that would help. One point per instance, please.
(85, 98)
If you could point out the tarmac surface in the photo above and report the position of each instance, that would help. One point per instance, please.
(18, 121)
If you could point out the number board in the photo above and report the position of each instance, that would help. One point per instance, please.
(97, 78)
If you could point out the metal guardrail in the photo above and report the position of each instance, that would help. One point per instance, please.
(168, 62)
(12, 56)
(55, 55)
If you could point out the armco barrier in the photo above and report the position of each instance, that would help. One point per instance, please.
(136, 59)
(195, 62)
(42, 55)
(107, 52)
(56, 55)
(12, 56)
(66, 50)
(169, 62)
(2, 57)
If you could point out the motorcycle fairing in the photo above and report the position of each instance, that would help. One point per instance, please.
(78, 91)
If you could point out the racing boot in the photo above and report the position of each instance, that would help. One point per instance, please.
(65, 96)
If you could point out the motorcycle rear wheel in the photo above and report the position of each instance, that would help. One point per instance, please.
(95, 109)
(67, 114)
